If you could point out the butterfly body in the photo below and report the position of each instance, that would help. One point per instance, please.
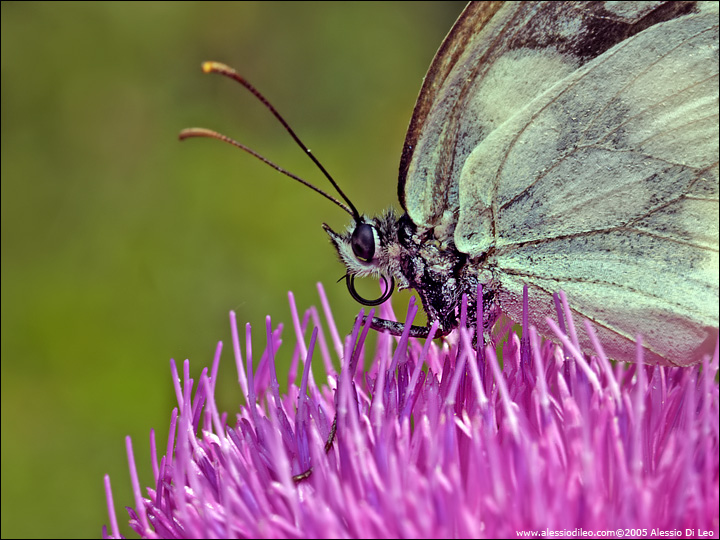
(417, 260)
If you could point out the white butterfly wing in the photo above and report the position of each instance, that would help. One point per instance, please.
(601, 180)
(606, 186)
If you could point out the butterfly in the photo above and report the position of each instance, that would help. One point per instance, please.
(558, 145)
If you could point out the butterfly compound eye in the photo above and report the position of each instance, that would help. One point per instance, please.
(363, 242)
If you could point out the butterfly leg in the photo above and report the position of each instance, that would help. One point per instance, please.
(397, 328)
(328, 445)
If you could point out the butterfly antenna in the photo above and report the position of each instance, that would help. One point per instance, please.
(222, 69)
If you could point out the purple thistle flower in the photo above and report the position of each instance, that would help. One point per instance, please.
(437, 441)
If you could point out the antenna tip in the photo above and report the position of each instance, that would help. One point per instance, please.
(196, 132)
(215, 67)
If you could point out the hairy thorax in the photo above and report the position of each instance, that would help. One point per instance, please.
(441, 275)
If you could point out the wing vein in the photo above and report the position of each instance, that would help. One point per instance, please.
(512, 246)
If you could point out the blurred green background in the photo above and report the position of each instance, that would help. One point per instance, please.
(122, 247)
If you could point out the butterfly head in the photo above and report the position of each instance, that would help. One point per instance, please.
(370, 248)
